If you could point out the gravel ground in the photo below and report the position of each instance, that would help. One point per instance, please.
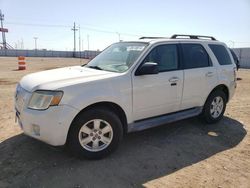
(187, 153)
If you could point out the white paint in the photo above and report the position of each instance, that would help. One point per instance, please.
(139, 96)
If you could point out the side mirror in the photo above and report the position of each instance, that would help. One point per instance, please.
(147, 68)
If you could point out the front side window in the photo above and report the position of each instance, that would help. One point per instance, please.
(195, 56)
(166, 56)
(118, 57)
(221, 54)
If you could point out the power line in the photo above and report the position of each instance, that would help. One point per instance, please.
(241, 42)
(90, 28)
(37, 25)
(68, 26)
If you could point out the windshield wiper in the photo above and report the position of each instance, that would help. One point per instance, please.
(95, 67)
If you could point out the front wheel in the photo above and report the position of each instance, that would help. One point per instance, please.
(95, 133)
(214, 107)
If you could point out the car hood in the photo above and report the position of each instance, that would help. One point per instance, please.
(57, 78)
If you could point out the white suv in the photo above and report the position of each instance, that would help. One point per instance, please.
(129, 87)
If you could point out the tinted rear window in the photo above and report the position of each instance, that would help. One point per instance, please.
(195, 56)
(221, 54)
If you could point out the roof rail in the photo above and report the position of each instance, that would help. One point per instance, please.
(153, 37)
(192, 36)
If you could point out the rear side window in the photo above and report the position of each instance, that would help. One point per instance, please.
(195, 56)
(221, 54)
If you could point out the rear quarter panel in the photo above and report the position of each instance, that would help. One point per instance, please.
(225, 73)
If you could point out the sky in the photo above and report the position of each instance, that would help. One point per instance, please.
(105, 22)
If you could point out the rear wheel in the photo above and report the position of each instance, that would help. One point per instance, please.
(95, 133)
(214, 107)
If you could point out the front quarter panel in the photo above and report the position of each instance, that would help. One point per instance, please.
(116, 90)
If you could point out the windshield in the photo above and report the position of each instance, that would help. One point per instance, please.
(118, 57)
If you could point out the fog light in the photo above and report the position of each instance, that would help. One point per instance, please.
(36, 129)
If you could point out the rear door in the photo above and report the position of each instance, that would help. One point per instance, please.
(199, 75)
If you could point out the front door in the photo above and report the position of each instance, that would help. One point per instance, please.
(161, 93)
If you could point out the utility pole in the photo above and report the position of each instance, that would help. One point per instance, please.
(119, 36)
(88, 41)
(79, 42)
(82, 45)
(2, 29)
(35, 38)
(22, 43)
(74, 29)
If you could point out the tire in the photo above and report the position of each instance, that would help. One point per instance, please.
(86, 140)
(213, 113)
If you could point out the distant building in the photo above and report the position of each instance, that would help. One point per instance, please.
(244, 56)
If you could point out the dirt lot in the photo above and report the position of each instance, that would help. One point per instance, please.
(183, 154)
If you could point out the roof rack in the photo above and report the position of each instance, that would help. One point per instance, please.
(192, 36)
(152, 37)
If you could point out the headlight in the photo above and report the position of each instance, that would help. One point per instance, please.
(42, 99)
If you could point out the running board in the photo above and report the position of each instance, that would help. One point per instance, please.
(161, 120)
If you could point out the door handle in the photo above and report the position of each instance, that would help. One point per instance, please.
(173, 79)
(209, 74)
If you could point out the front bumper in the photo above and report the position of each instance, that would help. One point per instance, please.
(50, 126)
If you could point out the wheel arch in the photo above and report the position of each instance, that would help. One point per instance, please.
(206, 112)
(223, 88)
(109, 105)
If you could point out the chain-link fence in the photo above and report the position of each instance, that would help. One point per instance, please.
(48, 53)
